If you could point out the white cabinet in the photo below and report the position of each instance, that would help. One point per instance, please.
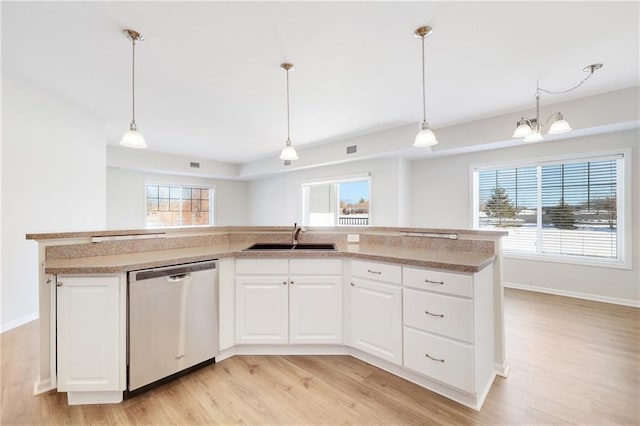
(288, 301)
(443, 359)
(315, 307)
(448, 331)
(262, 309)
(376, 310)
(90, 333)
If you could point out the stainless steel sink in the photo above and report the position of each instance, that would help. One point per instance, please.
(287, 246)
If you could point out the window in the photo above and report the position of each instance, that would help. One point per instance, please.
(174, 205)
(341, 202)
(563, 209)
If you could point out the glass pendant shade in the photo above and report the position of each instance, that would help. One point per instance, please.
(288, 152)
(534, 137)
(559, 126)
(425, 137)
(522, 130)
(133, 139)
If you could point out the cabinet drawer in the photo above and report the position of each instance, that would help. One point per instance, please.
(438, 313)
(262, 266)
(315, 266)
(442, 282)
(377, 271)
(450, 362)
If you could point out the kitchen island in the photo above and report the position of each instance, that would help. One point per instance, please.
(400, 270)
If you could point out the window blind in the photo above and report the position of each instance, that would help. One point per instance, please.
(565, 208)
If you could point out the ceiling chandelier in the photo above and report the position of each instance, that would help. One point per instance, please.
(530, 128)
(425, 137)
(288, 152)
(133, 138)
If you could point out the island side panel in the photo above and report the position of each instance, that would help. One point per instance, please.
(501, 364)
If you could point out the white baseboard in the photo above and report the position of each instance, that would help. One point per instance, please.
(100, 397)
(575, 294)
(18, 322)
(42, 386)
(503, 369)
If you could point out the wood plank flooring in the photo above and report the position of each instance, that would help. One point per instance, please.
(572, 362)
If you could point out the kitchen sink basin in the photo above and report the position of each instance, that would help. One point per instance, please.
(312, 246)
(286, 246)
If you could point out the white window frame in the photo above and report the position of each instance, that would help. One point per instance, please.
(624, 201)
(212, 203)
(335, 181)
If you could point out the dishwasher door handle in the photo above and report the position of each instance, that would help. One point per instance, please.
(178, 278)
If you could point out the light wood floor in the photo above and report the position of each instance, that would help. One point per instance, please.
(572, 362)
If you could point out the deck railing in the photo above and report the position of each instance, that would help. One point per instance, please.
(353, 220)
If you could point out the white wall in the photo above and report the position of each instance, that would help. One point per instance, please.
(277, 200)
(445, 182)
(125, 197)
(53, 179)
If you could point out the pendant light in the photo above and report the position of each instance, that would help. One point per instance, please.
(425, 137)
(133, 138)
(288, 152)
(531, 128)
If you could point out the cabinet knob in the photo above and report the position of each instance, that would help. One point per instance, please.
(284, 283)
(353, 285)
(48, 280)
(291, 282)
(59, 284)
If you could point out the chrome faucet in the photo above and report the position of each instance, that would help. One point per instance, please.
(295, 232)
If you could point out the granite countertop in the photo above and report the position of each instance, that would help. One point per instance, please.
(457, 261)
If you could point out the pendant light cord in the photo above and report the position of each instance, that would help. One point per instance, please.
(424, 96)
(133, 81)
(288, 135)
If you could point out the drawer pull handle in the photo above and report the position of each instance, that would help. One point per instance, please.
(374, 272)
(433, 282)
(435, 359)
(434, 315)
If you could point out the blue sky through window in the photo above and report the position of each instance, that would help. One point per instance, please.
(351, 192)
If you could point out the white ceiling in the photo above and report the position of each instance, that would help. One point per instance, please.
(209, 83)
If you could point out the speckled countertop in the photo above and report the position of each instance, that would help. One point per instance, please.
(458, 261)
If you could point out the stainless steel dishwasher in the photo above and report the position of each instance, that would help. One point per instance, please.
(172, 323)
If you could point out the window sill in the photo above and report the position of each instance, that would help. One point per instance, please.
(571, 260)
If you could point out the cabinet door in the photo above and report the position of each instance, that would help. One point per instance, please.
(262, 309)
(315, 309)
(376, 319)
(88, 331)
